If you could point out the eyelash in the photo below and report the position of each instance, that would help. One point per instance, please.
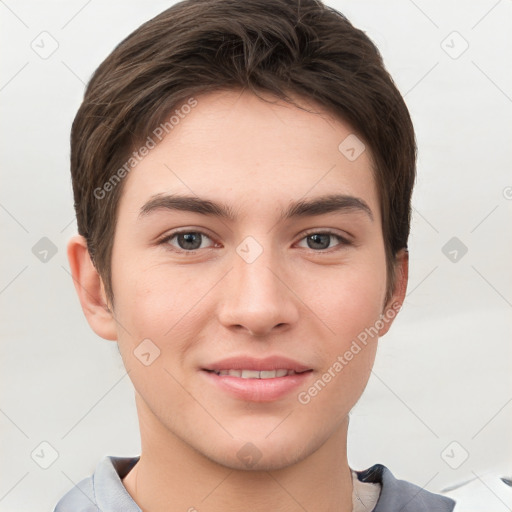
(342, 241)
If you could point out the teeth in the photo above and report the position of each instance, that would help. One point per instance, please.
(255, 374)
(250, 374)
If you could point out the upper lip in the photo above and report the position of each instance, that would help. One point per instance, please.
(252, 363)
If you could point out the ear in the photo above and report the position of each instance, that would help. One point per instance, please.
(400, 287)
(90, 289)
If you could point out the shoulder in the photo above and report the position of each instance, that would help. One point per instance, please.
(79, 499)
(401, 495)
(103, 491)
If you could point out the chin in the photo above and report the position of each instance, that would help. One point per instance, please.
(263, 454)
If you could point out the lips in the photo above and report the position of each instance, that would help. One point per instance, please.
(257, 380)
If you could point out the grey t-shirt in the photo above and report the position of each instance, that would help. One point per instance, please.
(376, 487)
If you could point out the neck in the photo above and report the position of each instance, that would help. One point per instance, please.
(171, 476)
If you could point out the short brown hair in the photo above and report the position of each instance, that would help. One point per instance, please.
(284, 47)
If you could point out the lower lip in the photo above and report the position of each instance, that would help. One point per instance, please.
(258, 390)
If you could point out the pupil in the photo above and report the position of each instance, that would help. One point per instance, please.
(317, 239)
(188, 238)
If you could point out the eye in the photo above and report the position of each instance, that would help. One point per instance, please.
(186, 241)
(190, 241)
(321, 239)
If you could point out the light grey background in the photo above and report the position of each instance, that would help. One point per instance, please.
(442, 374)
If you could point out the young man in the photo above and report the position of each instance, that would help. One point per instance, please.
(242, 173)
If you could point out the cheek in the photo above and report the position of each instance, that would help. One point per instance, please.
(350, 300)
(157, 324)
(155, 301)
(350, 306)
(167, 306)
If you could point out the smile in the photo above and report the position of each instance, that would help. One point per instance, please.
(255, 374)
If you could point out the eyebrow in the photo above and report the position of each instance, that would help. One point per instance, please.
(301, 208)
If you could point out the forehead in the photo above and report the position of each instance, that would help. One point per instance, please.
(235, 147)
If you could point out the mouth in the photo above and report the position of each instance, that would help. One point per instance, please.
(256, 374)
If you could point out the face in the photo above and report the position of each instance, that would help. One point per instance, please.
(267, 286)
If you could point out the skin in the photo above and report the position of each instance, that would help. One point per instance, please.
(306, 302)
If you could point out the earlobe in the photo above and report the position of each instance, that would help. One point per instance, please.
(90, 289)
(395, 302)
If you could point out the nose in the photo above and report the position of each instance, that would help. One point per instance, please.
(257, 296)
